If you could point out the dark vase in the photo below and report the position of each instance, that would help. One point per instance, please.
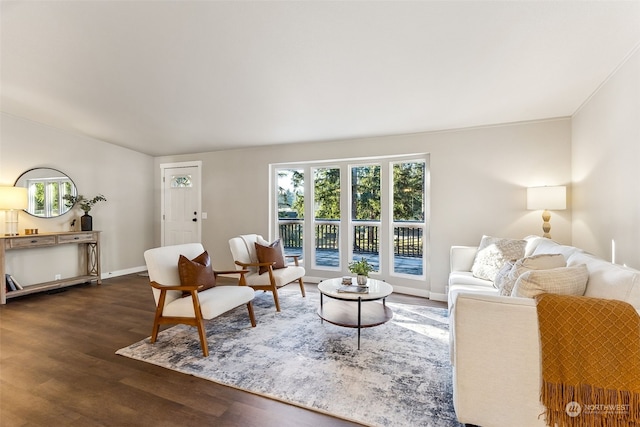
(86, 222)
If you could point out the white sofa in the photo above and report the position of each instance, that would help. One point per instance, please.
(495, 349)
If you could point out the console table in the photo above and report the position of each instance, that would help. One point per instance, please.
(90, 239)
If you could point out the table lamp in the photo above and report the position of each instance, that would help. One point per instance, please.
(12, 201)
(547, 198)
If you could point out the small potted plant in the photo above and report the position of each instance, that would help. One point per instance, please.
(86, 221)
(362, 269)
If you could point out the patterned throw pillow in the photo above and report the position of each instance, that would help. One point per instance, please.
(270, 252)
(563, 280)
(197, 271)
(503, 274)
(518, 268)
(492, 253)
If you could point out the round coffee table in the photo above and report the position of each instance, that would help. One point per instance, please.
(347, 309)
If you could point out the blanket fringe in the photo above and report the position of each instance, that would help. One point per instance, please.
(586, 406)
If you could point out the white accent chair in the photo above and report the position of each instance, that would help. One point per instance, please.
(244, 254)
(172, 307)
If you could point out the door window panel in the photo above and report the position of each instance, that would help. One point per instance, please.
(408, 217)
(326, 193)
(365, 213)
(291, 210)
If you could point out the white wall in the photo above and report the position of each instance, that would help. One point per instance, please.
(606, 168)
(125, 178)
(478, 181)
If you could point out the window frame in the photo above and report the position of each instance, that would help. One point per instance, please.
(387, 221)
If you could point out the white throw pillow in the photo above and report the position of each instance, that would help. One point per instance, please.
(507, 281)
(492, 253)
(563, 280)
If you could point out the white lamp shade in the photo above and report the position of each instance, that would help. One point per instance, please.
(551, 198)
(13, 198)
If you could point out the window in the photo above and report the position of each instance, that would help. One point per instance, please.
(290, 204)
(408, 217)
(326, 216)
(365, 213)
(360, 208)
(181, 181)
(46, 196)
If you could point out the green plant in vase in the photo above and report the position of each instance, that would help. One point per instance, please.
(362, 269)
(86, 221)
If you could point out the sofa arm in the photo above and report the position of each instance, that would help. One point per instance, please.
(496, 358)
(461, 257)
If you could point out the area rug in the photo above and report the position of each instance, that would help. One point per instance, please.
(401, 376)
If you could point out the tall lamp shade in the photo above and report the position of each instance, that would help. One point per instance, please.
(12, 200)
(546, 199)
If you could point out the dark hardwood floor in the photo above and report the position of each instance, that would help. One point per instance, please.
(58, 367)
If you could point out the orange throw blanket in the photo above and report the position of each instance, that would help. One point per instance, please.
(590, 350)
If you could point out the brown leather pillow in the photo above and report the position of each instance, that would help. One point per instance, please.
(197, 271)
(271, 253)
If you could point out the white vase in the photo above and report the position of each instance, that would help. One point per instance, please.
(362, 280)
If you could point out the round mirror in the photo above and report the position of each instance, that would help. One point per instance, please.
(47, 188)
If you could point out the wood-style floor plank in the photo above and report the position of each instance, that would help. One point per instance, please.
(58, 367)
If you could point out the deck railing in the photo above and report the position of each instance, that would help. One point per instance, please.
(407, 237)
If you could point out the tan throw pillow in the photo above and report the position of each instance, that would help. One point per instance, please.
(492, 253)
(197, 271)
(535, 262)
(271, 252)
(563, 280)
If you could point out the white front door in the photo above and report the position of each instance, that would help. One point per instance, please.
(181, 204)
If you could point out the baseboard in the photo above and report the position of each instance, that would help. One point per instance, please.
(438, 296)
(124, 272)
(411, 291)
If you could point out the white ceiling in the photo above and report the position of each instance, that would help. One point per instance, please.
(171, 77)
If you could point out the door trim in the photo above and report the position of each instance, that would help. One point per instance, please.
(163, 166)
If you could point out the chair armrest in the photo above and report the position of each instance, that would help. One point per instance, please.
(254, 264)
(241, 282)
(295, 258)
(175, 288)
(217, 272)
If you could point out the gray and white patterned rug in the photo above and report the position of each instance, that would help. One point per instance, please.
(400, 377)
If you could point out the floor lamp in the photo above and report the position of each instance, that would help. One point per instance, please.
(547, 198)
(12, 201)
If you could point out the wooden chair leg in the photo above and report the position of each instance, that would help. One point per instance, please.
(200, 323)
(203, 338)
(156, 320)
(275, 298)
(302, 287)
(252, 316)
(154, 332)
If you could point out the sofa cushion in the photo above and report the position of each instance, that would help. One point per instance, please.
(609, 281)
(493, 252)
(196, 271)
(270, 252)
(563, 280)
(466, 278)
(506, 280)
(213, 302)
(548, 246)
